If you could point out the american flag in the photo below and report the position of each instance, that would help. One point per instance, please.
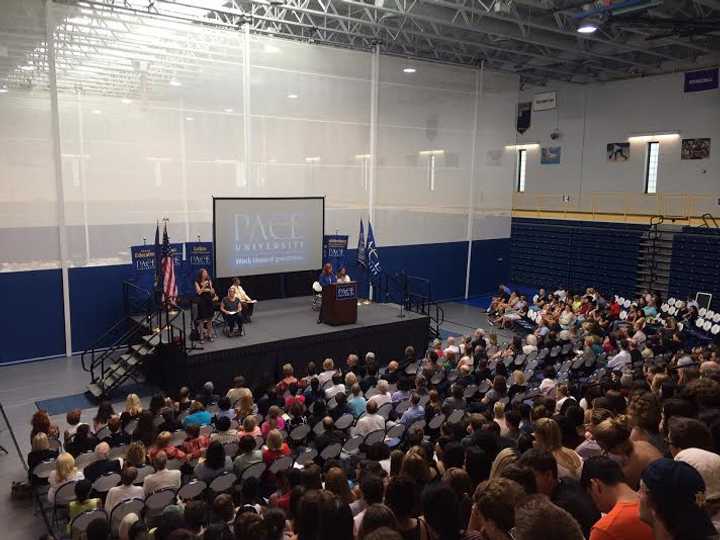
(168, 270)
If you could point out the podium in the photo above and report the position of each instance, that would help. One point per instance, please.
(339, 303)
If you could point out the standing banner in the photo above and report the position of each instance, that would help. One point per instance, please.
(524, 114)
(701, 80)
(143, 262)
(334, 248)
(198, 255)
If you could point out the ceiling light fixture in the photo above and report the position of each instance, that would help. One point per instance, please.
(409, 70)
(28, 67)
(3, 90)
(97, 111)
(665, 135)
(589, 24)
(523, 146)
(189, 118)
(292, 96)
(126, 101)
(175, 82)
(228, 110)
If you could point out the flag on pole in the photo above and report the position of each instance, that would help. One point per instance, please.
(158, 258)
(361, 253)
(373, 258)
(169, 285)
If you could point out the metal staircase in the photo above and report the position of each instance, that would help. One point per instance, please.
(120, 354)
(655, 257)
(414, 294)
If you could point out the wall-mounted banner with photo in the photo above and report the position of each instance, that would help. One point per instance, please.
(695, 149)
(550, 155)
(524, 115)
(544, 101)
(618, 151)
(701, 80)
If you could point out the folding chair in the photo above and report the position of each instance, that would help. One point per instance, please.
(80, 523)
(222, 483)
(130, 506)
(255, 470)
(107, 481)
(63, 496)
(281, 464)
(191, 490)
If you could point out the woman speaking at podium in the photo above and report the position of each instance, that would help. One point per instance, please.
(327, 277)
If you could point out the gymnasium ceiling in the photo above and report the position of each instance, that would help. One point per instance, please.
(536, 39)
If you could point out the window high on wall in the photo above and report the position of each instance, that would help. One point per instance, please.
(520, 172)
(651, 166)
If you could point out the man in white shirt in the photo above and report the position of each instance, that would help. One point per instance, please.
(162, 478)
(370, 422)
(383, 396)
(337, 386)
(621, 359)
(125, 491)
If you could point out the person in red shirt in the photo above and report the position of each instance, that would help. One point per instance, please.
(276, 447)
(195, 444)
(162, 442)
(604, 481)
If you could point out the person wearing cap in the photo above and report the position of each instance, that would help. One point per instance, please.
(603, 479)
(708, 465)
(672, 502)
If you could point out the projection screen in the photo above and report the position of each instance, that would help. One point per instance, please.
(267, 236)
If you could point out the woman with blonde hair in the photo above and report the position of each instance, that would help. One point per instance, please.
(276, 447)
(40, 452)
(65, 471)
(245, 406)
(415, 467)
(133, 409)
(549, 438)
(613, 436)
(506, 456)
(518, 383)
(337, 482)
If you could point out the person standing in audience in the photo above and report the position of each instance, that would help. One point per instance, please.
(603, 479)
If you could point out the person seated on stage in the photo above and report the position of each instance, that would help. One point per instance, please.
(246, 303)
(231, 312)
(342, 275)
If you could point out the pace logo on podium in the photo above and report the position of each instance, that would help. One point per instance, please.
(346, 291)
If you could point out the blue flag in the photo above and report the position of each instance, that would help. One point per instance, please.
(158, 257)
(361, 253)
(373, 257)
